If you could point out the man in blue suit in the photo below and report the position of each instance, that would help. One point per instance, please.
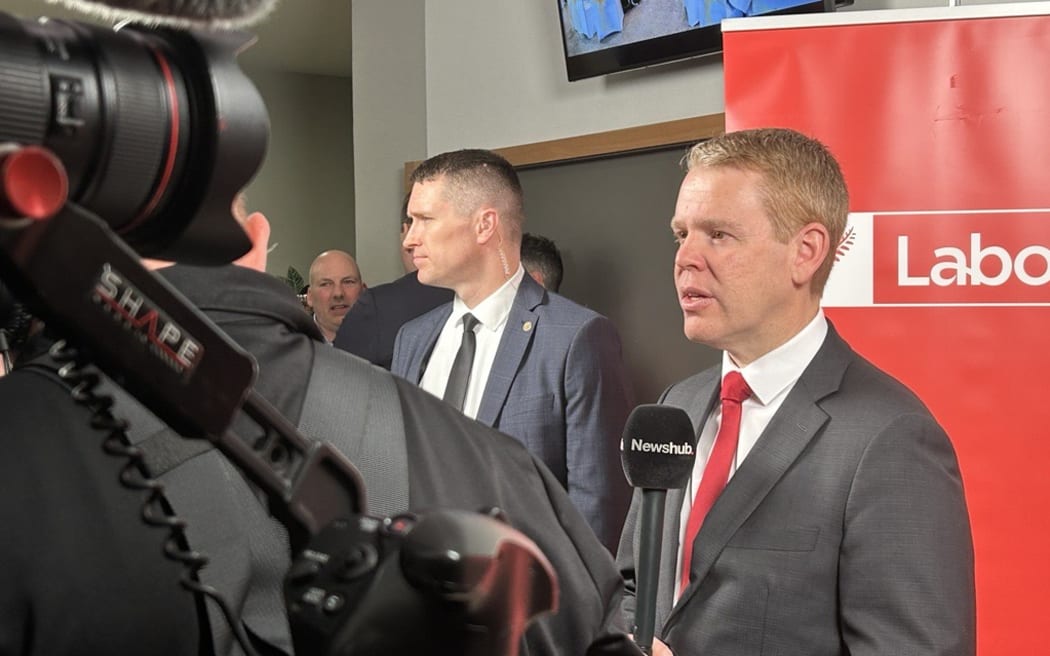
(545, 370)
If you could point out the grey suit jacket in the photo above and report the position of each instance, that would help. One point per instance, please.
(559, 386)
(844, 531)
(448, 461)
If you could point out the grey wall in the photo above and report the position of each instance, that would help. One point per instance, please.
(390, 110)
(611, 221)
(305, 185)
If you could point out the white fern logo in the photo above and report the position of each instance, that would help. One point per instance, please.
(845, 244)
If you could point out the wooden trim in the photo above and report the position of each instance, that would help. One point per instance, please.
(606, 144)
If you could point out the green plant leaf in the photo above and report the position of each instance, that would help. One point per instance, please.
(294, 279)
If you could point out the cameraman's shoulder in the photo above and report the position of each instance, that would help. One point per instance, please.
(30, 386)
(446, 425)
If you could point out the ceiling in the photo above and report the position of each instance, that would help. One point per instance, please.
(300, 36)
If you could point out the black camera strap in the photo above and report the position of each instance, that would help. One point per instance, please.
(348, 402)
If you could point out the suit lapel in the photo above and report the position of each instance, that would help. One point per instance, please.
(797, 421)
(431, 333)
(518, 333)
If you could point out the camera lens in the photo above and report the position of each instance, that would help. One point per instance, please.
(157, 129)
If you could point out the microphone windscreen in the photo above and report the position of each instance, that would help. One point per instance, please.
(658, 447)
(186, 14)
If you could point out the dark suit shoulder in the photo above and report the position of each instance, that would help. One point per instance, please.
(449, 430)
(558, 313)
(838, 369)
(408, 290)
(423, 321)
(871, 386)
(685, 390)
(566, 306)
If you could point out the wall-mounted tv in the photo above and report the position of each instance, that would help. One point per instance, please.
(608, 36)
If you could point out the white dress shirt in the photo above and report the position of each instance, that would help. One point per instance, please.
(492, 314)
(771, 378)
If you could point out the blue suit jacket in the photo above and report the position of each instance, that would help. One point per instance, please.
(559, 386)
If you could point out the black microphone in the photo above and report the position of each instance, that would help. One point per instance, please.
(658, 449)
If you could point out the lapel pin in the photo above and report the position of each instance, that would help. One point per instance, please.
(527, 326)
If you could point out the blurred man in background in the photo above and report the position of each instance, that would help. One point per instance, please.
(335, 284)
(542, 260)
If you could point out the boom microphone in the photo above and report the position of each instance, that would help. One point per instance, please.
(218, 14)
(658, 449)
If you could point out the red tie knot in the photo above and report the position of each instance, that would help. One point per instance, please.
(734, 388)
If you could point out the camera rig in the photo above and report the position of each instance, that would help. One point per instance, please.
(156, 131)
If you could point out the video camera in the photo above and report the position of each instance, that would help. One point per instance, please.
(116, 145)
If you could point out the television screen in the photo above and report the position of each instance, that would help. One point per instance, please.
(607, 36)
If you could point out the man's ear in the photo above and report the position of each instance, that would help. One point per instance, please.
(487, 226)
(812, 244)
(258, 229)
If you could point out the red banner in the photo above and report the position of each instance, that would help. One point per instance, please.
(941, 121)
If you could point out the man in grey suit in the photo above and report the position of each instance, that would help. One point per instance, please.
(547, 371)
(843, 527)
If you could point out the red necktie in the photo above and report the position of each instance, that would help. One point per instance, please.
(716, 471)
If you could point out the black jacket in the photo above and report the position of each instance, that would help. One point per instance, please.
(453, 462)
(369, 328)
(80, 573)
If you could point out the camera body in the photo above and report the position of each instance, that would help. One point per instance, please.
(444, 582)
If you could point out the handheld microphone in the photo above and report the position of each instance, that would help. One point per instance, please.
(658, 449)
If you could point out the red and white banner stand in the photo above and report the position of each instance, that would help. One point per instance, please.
(941, 120)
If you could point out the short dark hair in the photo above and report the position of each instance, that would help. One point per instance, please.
(477, 177)
(541, 254)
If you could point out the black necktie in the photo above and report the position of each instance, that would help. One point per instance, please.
(459, 376)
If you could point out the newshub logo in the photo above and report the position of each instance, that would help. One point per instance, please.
(666, 448)
(972, 258)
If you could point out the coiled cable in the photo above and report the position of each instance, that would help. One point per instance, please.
(84, 380)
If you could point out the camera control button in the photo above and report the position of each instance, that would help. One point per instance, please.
(356, 562)
(303, 570)
(333, 603)
(313, 597)
(400, 525)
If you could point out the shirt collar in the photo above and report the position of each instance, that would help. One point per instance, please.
(777, 370)
(494, 310)
(323, 336)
